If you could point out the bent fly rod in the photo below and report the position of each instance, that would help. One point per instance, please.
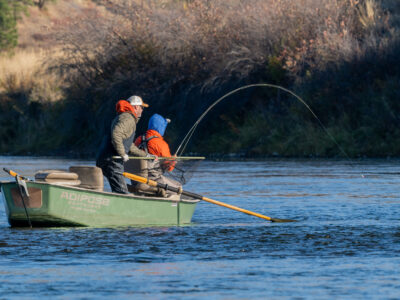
(188, 136)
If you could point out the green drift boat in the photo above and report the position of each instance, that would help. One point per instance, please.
(55, 204)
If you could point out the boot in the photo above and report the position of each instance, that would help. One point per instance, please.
(161, 193)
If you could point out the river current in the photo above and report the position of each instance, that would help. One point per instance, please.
(346, 243)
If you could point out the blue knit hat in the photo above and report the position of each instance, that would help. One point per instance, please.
(158, 123)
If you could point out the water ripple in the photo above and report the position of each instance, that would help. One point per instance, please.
(345, 244)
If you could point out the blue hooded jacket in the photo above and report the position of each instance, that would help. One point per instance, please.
(158, 123)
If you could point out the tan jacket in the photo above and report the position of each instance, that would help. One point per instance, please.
(123, 126)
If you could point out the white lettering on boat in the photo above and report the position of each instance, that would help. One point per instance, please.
(84, 202)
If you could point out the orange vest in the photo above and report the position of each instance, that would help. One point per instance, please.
(157, 146)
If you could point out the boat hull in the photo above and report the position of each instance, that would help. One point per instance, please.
(55, 205)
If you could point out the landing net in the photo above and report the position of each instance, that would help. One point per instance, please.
(180, 169)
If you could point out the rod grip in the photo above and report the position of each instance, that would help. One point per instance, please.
(12, 173)
(193, 195)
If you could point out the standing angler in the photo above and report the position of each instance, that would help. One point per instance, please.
(119, 142)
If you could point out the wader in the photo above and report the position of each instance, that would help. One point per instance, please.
(111, 167)
(155, 169)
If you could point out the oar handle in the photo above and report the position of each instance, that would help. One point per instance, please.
(139, 179)
(14, 174)
(22, 190)
(197, 196)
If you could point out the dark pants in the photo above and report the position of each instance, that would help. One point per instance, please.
(110, 170)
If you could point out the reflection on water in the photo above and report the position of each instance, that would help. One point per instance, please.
(346, 243)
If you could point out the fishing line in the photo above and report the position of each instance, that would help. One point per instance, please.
(188, 136)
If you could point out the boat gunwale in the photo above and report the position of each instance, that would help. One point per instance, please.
(128, 196)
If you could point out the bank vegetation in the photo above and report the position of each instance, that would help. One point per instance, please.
(340, 56)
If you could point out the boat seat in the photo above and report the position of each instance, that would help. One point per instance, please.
(60, 177)
(155, 192)
(142, 189)
(140, 167)
(91, 177)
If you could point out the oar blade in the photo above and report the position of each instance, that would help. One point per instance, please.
(282, 220)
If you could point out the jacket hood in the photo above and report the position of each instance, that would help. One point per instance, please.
(124, 106)
(158, 123)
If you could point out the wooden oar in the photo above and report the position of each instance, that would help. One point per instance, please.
(196, 196)
(164, 158)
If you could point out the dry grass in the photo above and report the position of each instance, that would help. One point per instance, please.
(17, 72)
(25, 74)
(367, 13)
(26, 71)
(37, 29)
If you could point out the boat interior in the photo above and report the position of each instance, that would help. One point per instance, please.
(91, 177)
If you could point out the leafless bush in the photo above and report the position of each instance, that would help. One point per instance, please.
(168, 49)
(206, 40)
(181, 55)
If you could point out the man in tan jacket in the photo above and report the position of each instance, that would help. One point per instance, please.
(119, 142)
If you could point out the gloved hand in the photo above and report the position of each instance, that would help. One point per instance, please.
(125, 157)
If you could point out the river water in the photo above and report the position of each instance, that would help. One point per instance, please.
(346, 243)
